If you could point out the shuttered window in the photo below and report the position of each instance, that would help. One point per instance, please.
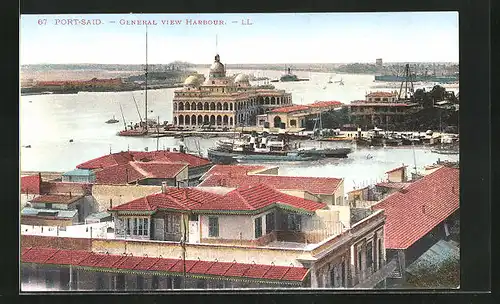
(258, 227)
(213, 226)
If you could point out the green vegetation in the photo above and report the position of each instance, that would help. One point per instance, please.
(446, 275)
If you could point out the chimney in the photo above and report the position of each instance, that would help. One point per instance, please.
(70, 196)
(110, 203)
(126, 174)
(163, 187)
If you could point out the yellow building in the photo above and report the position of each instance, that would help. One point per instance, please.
(221, 101)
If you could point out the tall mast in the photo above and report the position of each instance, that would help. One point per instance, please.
(146, 88)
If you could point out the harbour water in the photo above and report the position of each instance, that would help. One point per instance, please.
(49, 122)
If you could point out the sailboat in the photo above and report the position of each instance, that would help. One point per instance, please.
(142, 129)
(340, 82)
(330, 80)
(447, 146)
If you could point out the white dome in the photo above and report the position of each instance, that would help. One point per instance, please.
(217, 69)
(193, 80)
(241, 78)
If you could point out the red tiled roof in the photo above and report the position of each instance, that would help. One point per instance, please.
(244, 199)
(105, 161)
(315, 185)
(396, 169)
(118, 175)
(30, 184)
(289, 109)
(380, 94)
(68, 257)
(233, 170)
(319, 104)
(424, 204)
(172, 157)
(157, 169)
(56, 198)
(198, 267)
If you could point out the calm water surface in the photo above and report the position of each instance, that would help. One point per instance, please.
(48, 122)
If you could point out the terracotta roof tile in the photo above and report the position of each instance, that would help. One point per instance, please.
(289, 109)
(380, 104)
(257, 271)
(109, 261)
(92, 259)
(314, 185)
(245, 198)
(277, 272)
(164, 264)
(233, 170)
(130, 262)
(118, 175)
(105, 161)
(393, 185)
(172, 157)
(295, 274)
(219, 268)
(68, 257)
(146, 263)
(319, 104)
(38, 255)
(56, 198)
(201, 267)
(424, 204)
(30, 184)
(223, 269)
(157, 169)
(238, 270)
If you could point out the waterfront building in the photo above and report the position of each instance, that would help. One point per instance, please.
(380, 108)
(222, 101)
(296, 116)
(79, 176)
(148, 168)
(56, 210)
(247, 238)
(325, 189)
(419, 215)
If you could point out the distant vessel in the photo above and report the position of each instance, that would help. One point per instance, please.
(330, 80)
(288, 77)
(340, 82)
(112, 120)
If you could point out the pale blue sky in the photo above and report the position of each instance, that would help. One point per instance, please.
(273, 38)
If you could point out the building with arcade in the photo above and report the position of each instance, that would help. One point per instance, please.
(222, 101)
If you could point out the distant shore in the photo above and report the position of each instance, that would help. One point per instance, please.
(43, 91)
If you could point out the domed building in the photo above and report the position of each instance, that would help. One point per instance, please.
(220, 101)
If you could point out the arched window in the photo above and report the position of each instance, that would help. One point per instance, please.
(225, 120)
(175, 120)
(273, 100)
(181, 120)
(175, 106)
(212, 119)
(212, 106)
(200, 120)
(206, 119)
(181, 106)
(200, 106)
(206, 106)
(188, 121)
(193, 119)
(231, 106)
(225, 106)
(188, 106)
(230, 121)
(193, 106)
(219, 120)
(219, 106)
